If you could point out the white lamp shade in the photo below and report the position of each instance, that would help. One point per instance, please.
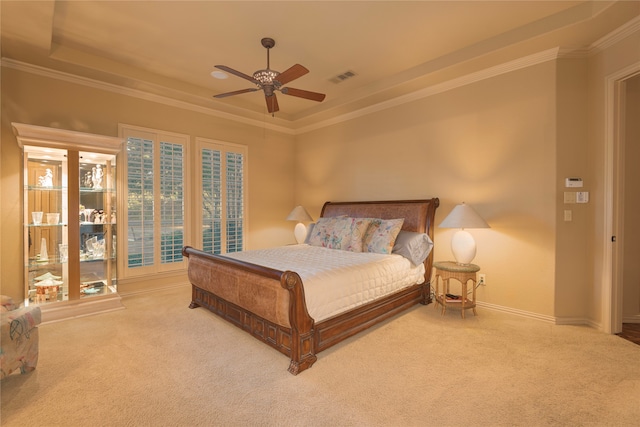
(464, 216)
(300, 215)
(463, 245)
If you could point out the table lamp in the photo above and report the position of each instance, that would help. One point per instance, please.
(463, 245)
(300, 215)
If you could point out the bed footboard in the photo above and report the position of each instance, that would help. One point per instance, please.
(267, 303)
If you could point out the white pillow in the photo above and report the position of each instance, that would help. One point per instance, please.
(413, 246)
(309, 232)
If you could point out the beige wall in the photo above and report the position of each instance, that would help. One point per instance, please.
(572, 238)
(33, 99)
(631, 273)
(503, 145)
(491, 144)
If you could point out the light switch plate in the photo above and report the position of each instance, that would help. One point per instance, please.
(569, 196)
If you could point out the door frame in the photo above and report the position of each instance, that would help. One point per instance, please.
(613, 198)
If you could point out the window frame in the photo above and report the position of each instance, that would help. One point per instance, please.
(157, 136)
(223, 147)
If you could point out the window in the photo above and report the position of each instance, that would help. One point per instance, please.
(171, 202)
(156, 200)
(222, 175)
(140, 201)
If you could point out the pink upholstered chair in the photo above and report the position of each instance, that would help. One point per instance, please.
(18, 337)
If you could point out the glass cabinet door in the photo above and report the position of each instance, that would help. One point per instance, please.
(70, 224)
(97, 224)
(45, 222)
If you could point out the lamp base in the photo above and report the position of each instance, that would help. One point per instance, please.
(300, 232)
(463, 247)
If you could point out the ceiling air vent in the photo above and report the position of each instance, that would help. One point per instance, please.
(342, 77)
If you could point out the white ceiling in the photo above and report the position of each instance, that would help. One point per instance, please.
(169, 48)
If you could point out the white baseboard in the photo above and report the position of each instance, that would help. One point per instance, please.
(79, 308)
(631, 319)
(576, 321)
(529, 314)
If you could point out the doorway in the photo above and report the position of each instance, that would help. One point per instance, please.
(631, 232)
(621, 285)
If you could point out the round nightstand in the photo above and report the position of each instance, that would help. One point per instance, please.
(447, 270)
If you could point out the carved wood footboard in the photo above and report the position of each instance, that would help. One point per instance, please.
(267, 303)
(270, 304)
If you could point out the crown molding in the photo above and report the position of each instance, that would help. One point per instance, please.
(615, 36)
(571, 52)
(497, 70)
(62, 138)
(136, 93)
(468, 79)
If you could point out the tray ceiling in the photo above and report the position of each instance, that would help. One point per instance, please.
(169, 48)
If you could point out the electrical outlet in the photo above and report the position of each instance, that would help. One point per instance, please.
(482, 279)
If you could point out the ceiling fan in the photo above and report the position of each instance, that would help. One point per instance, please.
(270, 81)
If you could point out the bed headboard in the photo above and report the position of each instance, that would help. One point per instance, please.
(419, 216)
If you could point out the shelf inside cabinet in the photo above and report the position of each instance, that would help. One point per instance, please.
(95, 190)
(41, 188)
(35, 263)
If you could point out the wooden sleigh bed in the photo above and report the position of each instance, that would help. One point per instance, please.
(270, 304)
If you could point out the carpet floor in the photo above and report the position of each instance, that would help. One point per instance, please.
(158, 363)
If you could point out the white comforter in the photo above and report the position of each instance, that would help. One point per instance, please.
(336, 280)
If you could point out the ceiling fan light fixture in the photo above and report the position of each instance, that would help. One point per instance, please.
(265, 77)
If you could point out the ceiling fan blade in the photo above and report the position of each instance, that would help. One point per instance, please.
(272, 103)
(291, 74)
(235, 92)
(237, 73)
(313, 96)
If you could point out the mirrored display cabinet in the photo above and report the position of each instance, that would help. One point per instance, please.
(70, 221)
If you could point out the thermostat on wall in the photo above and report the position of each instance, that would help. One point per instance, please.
(573, 182)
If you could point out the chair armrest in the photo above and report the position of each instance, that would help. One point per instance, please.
(6, 303)
(20, 320)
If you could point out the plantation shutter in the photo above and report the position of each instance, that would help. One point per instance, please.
(223, 180)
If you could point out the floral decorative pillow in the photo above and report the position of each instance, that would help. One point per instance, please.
(381, 235)
(333, 233)
(360, 227)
